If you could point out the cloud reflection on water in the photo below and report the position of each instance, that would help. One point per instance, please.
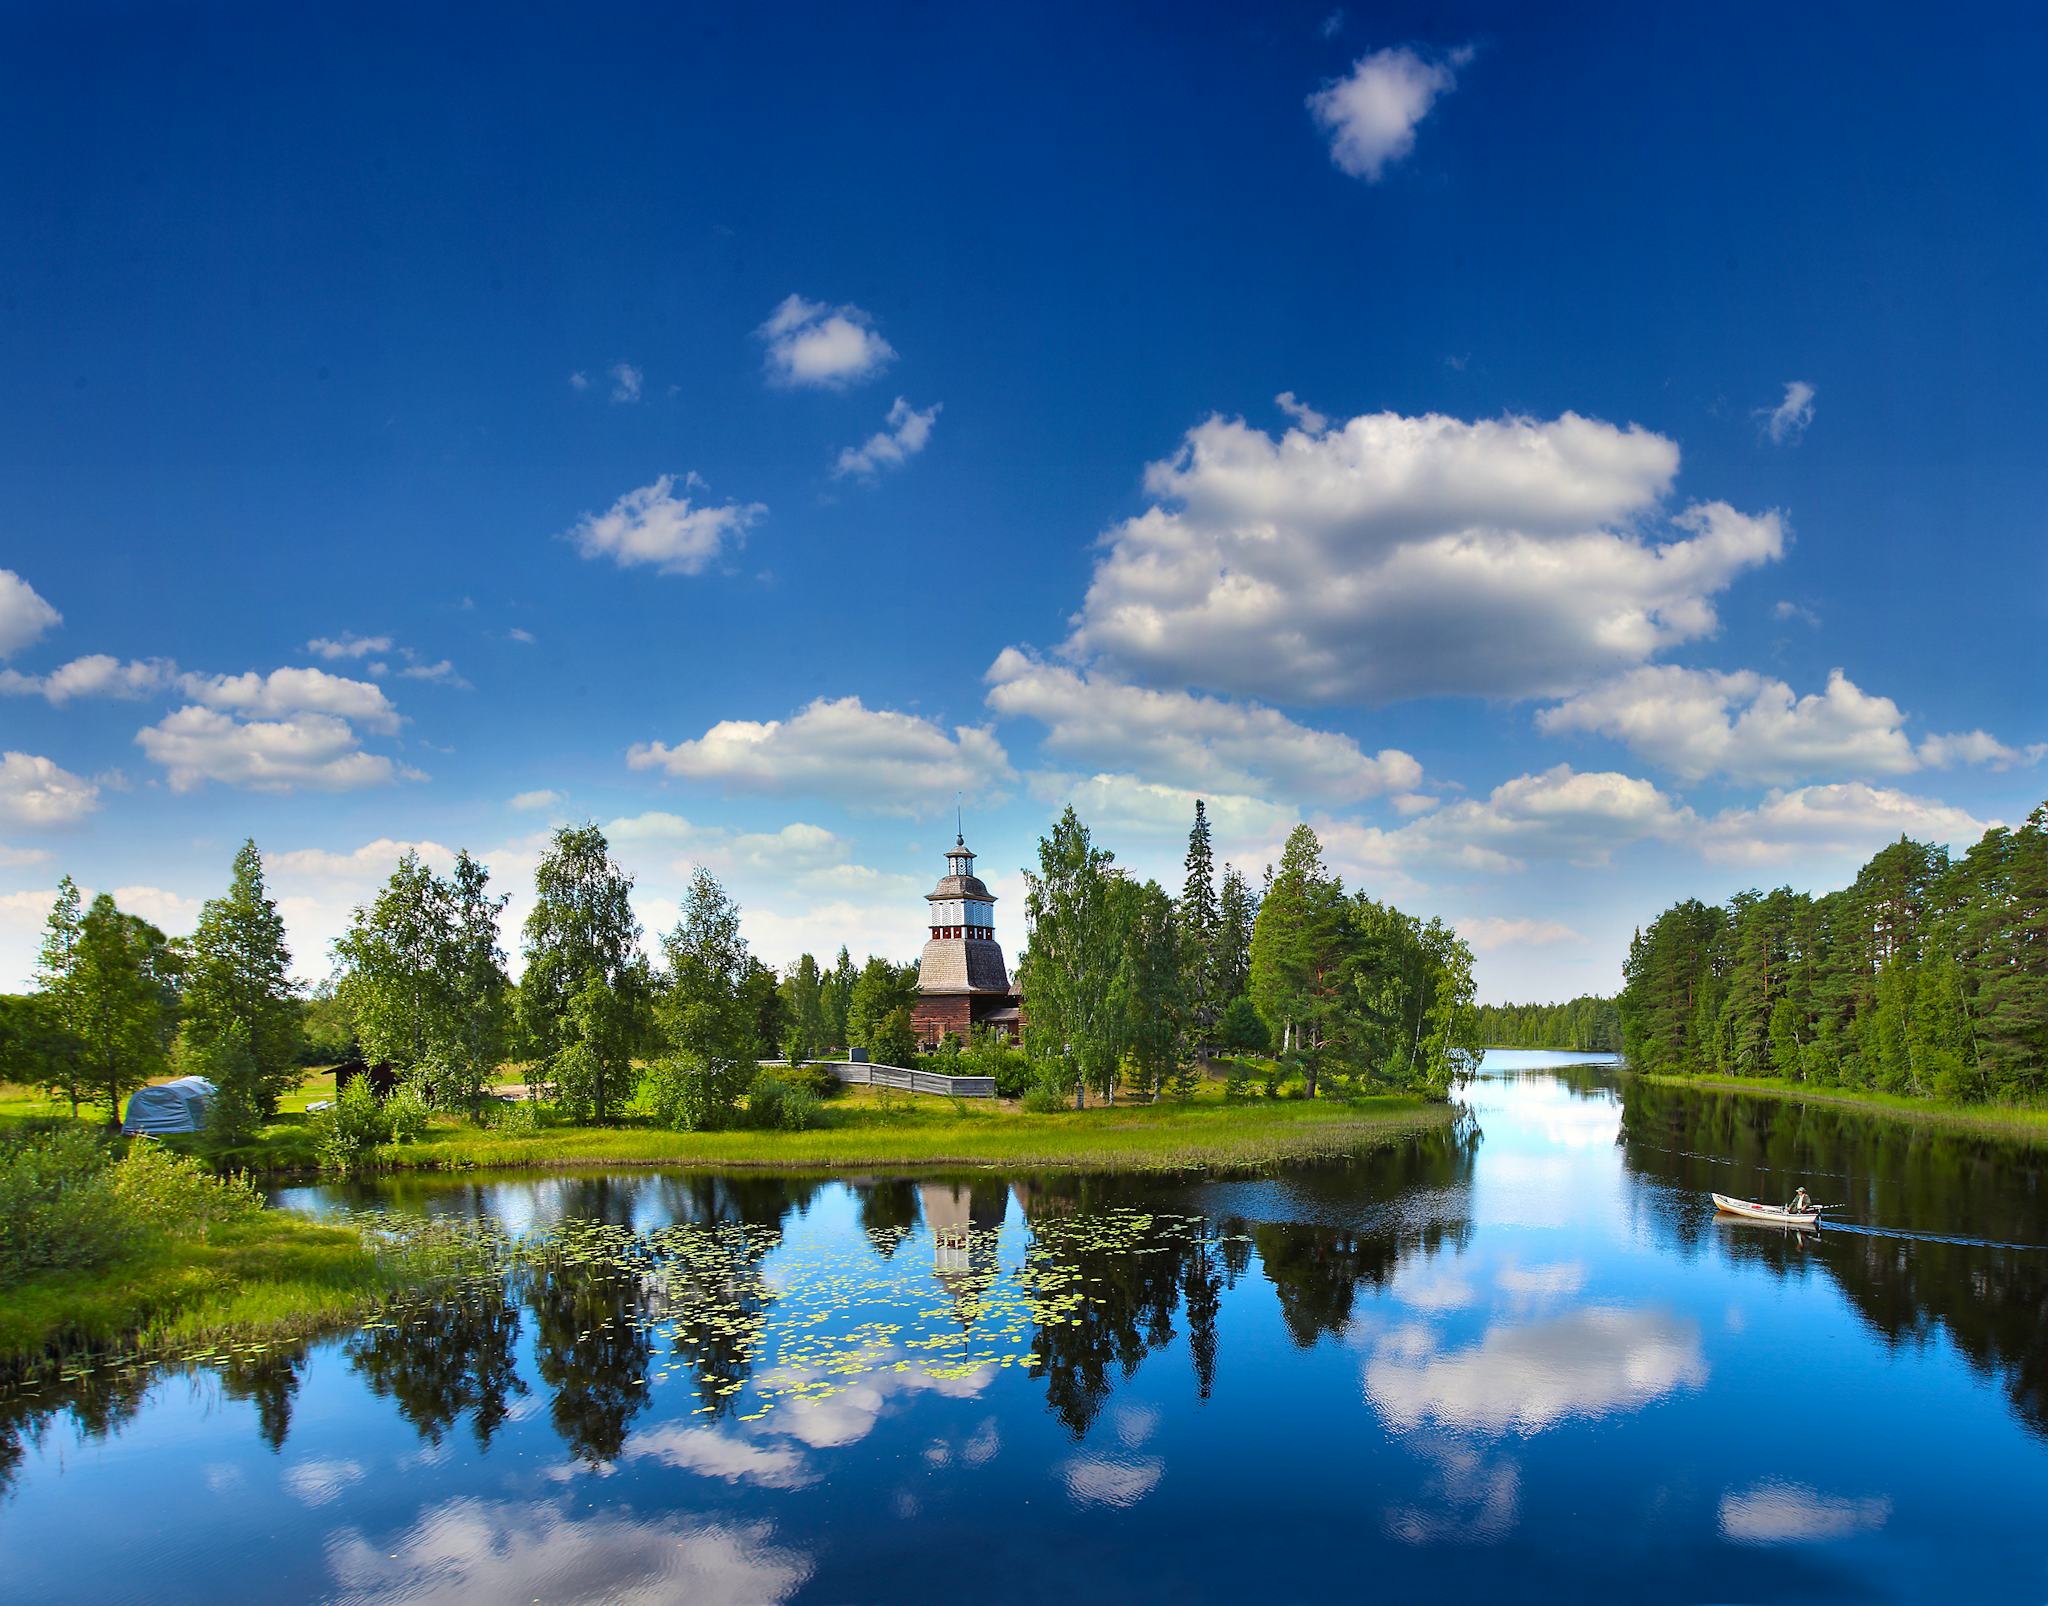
(1527, 1378)
(1780, 1513)
(477, 1550)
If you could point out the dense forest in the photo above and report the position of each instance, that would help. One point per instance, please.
(1585, 1025)
(1130, 990)
(1926, 976)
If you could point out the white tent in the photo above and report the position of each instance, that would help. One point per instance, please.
(178, 1106)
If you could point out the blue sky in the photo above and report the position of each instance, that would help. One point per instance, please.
(747, 429)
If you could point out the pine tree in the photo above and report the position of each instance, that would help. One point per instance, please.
(239, 974)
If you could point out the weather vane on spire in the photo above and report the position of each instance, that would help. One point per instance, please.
(959, 824)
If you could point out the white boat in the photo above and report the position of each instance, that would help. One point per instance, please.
(1778, 1215)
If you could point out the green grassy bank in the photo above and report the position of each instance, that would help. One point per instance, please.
(867, 1128)
(275, 1276)
(2023, 1123)
(863, 1128)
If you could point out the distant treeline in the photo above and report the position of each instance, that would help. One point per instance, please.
(1925, 976)
(1586, 1025)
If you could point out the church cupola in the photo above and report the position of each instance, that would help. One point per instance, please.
(961, 906)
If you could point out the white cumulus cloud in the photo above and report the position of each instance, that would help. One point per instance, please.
(902, 436)
(36, 793)
(294, 691)
(95, 675)
(1371, 113)
(1751, 727)
(1847, 819)
(319, 752)
(1395, 556)
(626, 382)
(24, 615)
(830, 348)
(658, 525)
(868, 758)
(1185, 740)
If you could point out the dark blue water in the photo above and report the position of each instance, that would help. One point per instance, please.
(1518, 1359)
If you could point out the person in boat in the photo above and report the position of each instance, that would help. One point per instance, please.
(1800, 1204)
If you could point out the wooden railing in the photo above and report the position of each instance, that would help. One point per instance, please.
(959, 1087)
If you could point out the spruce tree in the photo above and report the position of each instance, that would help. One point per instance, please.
(1200, 922)
(239, 975)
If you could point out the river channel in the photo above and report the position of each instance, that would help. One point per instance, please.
(1518, 1358)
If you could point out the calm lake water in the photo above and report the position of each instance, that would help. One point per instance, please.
(1515, 1359)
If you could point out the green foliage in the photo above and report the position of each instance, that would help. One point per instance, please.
(1043, 1098)
(70, 1198)
(581, 933)
(1924, 977)
(708, 1012)
(1242, 1031)
(54, 1199)
(816, 1080)
(1200, 921)
(224, 1058)
(348, 1132)
(774, 1105)
(110, 1002)
(1584, 1025)
(836, 995)
(406, 1112)
(878, 1011)
(327, 1036)
(803, 994)
(177, 1194)
(1074, 1027)
(239, 972)
(592, 1069)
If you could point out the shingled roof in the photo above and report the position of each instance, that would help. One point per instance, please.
(962, 965)
(960, 886)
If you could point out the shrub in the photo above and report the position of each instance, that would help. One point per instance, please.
(774, 1105)
(1237, 1084)
(405, 1113)
(55, 1200)
(816, 1080)
(174, 1193)
(695, 1096)
(348, 1131)
(1041, 1099)
(801, 1110)
(514, 1116)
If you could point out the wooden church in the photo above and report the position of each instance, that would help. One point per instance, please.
(962, 981)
